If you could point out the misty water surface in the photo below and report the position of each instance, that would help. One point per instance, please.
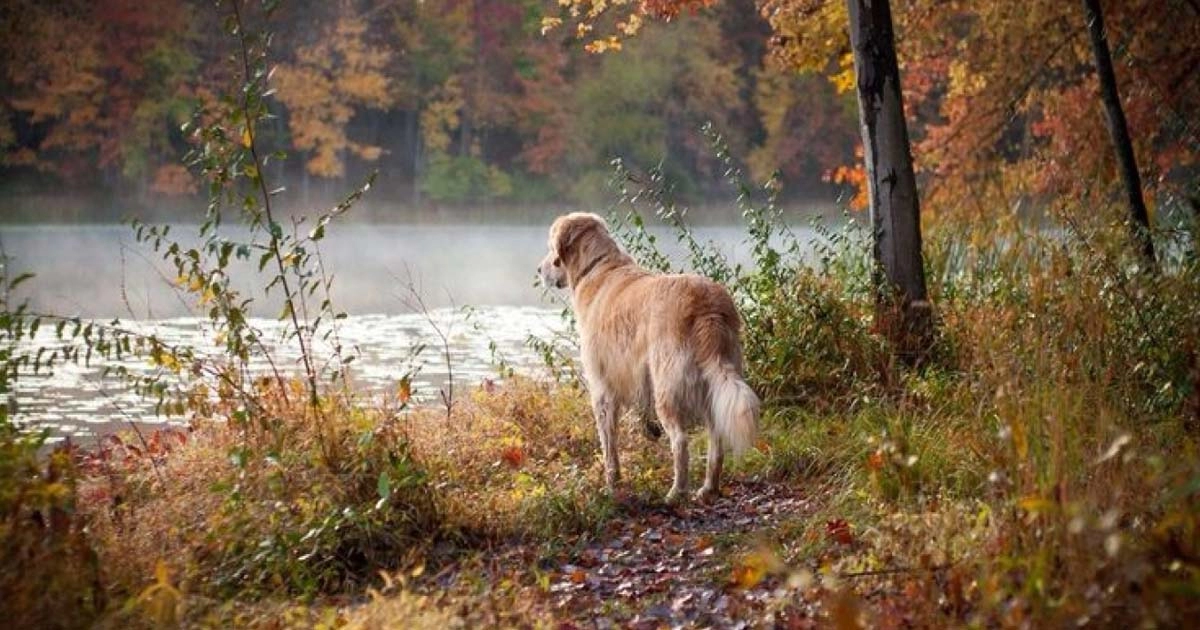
(99, 271)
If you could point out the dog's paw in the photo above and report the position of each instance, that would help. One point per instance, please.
(676, 496)
(707, 495)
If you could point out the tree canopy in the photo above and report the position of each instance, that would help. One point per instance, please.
(462, 100)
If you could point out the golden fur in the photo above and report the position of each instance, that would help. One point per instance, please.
(664, 345)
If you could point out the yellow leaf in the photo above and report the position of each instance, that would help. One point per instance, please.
(161, 573)
(844, 80)
(754, 567)
(550, 23)
(1035, 504)
(404, 391)
(247, 138)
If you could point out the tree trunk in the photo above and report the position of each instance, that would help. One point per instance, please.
(1139, 220)
(902, 308)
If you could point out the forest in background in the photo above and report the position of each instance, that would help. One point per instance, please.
(453, 102)
(484, 101)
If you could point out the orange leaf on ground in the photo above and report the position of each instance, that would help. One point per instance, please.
(513, 456)
(838, 530)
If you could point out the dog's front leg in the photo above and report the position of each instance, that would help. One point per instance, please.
(606, 412)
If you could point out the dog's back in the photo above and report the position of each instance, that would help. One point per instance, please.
(656, 340)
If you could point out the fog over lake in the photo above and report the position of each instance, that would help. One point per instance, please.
(101, 272)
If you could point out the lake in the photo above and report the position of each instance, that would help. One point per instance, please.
(100, 272)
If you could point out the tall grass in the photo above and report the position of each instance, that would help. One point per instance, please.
(1042, 465)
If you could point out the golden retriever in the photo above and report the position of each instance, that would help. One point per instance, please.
(664, 345)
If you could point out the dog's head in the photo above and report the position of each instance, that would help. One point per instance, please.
(576, 241)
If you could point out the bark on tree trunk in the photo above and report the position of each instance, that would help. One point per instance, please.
(902, 308)
(1118, 129)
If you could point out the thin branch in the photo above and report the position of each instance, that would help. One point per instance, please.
(894, 571)
(289, 294)
(129, 419)
(415, 302)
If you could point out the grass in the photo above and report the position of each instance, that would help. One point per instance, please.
(1040, 469)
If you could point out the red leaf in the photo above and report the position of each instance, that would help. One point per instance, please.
(838, 530)
(513, 456)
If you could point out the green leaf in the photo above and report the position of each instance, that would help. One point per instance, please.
(384, 487)
(18, 280)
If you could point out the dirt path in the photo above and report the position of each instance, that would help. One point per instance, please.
(660, 566)
(652, 566)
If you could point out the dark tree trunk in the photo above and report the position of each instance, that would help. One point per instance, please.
(413, 133)
(902, 307)
(1139, 220)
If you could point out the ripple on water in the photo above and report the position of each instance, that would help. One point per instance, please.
(80, 402)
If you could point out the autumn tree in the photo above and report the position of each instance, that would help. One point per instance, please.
(902, 307)
(340, 71)
(891, 182)
(648, 103)
(96, 86)
(460, 100)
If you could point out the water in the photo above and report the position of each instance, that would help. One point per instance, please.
(82, 402)
(100, 272)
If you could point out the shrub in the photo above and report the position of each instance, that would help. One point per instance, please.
(463, 178)
(277, 501)
(51, 576)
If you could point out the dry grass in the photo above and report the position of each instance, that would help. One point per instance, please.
(1039, 470)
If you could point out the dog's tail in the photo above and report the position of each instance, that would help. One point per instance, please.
(734, 407)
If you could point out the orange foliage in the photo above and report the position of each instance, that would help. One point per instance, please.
(79, 70)
(323, 87)
(1001, 97)
(543, 102)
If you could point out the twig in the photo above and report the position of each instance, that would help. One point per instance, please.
(415, 302)
(326, 285)
(894, 571)
(137, 430)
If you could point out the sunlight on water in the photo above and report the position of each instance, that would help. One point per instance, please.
(81, 402)
(99, 272)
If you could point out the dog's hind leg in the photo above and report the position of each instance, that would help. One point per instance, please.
(607, 411)
(676, 434)
(712, 472)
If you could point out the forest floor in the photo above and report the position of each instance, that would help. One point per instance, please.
(823, 524)
(654, 565)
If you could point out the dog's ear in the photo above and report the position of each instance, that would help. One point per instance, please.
(572, 230)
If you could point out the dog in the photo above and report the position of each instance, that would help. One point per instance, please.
(664, 345)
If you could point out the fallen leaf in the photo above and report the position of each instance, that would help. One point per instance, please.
(750, 571)
(513, 456)
(838, 530)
